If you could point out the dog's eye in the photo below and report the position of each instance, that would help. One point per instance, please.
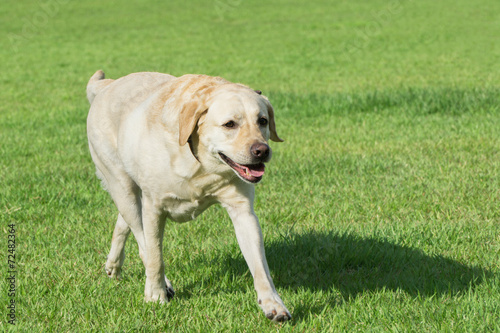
(230, 124)
(263, 121)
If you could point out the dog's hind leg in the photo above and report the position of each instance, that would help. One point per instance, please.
(116, 255)
(131, 205)
(129, 219)
(127, 198)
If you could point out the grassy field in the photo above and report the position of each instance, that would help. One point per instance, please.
(381, 210)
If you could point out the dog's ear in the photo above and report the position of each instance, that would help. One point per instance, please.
(272, 124)
(194, 101)
(188, 119)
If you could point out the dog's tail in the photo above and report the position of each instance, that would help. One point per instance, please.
(96, 84)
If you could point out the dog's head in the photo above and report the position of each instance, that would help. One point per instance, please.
(233, 124)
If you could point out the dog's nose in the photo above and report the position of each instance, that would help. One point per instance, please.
(260, 150)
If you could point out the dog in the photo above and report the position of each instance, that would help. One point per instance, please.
(169, 147)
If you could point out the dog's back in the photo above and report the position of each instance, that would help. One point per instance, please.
(134, 85)
(112, 100)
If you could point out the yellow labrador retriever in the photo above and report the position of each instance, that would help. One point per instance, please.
(168, 147)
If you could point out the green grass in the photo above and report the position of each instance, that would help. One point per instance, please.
(380, 210)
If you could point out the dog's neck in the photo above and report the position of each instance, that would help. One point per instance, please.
(193, 149)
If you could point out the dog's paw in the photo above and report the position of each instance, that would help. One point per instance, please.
(162, 292)
(156, 295)
(274, 309)
(113, 272)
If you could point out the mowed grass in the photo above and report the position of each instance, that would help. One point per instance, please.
(380, 211)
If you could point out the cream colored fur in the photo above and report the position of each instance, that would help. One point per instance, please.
(155, 140)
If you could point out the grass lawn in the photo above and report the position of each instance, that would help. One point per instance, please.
(380, 211)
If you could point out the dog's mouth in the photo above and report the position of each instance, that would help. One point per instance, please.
(252, 173)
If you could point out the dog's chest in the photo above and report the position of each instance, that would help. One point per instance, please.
(188, 198)
(183, 210)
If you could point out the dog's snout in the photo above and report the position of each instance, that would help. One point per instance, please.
(260, 151)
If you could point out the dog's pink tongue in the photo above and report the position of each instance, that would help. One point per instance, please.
(257, 170)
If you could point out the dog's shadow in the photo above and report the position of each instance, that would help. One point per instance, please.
(351, 265)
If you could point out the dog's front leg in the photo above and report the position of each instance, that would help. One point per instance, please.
(251, 243)
(158, 287)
